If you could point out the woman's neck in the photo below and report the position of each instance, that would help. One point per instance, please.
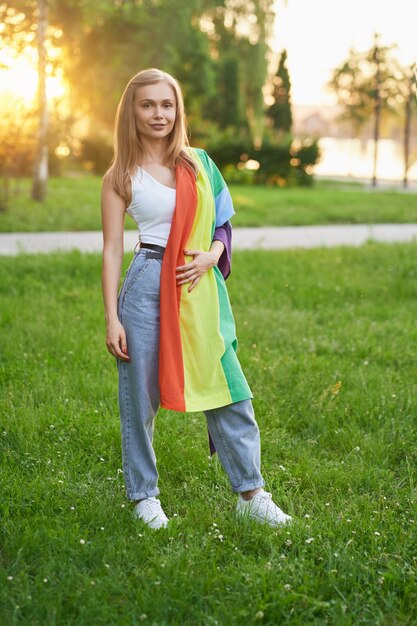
(153, 152)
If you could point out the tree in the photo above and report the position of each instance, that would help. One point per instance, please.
(369, 84)
(229, 93)
(213, 47)
(243, 28)
(280, 111)
(40, 170)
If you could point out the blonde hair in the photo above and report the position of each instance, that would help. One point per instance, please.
(128, 149)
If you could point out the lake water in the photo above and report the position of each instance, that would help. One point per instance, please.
(352, 157)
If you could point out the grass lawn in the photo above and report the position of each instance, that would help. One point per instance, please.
(327, 340)
(73, 204)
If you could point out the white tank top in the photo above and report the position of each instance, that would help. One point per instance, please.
(152, 207)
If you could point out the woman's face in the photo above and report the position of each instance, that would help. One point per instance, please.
(155, 110)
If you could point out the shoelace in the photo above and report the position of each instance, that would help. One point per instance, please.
(266, 493)
(153, 505)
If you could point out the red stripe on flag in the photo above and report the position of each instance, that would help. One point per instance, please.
(171, 365)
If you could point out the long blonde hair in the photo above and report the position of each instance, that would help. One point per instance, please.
(128, 149)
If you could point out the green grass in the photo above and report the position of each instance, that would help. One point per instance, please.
(73, 204)
(327, 340)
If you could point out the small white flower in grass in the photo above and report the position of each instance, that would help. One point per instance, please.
(157, 582)
(381, 580)
(357, 448)
(10, 578)
(122, 506)
(307, 515)
(101, 458)
(72, 508)
(142, 617)
(282, 468)
(259, 615)
(282, 557)
(366, 362)
(140, 535)
(107, 565)
(45, 580)
(327, 503)
(348, 520)
(175, 515)
(61, 482)
(394, 395)
(101, 527)
(82, 541)
(287, 587)
(92, 582)
(51, 426)
(377, 533)
(310, 540)
(214, 524)
(288, 542)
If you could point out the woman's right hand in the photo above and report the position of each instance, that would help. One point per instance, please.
(116, 340)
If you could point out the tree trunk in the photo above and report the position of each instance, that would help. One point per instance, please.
(377, 112)
(407, 138)
(407, 124)
(40, 172)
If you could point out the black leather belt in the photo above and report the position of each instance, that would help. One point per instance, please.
(152, 246)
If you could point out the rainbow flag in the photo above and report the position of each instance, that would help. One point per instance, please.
(198, 364)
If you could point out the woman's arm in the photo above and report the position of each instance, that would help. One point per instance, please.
(113, 215)
(223, 233)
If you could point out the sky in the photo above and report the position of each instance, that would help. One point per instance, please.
(318, 34)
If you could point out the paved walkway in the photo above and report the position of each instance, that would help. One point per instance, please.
(270, 238)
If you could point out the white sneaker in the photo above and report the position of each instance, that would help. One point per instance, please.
(150, 511)
(262, 509)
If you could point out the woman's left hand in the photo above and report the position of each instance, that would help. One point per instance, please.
(193, 271)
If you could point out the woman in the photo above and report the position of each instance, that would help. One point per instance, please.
(171, 327)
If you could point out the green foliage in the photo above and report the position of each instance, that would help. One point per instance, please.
(280, 111)
(282, 161)
(327, 341)
(96, 153)
(228, 95)
(217, 50)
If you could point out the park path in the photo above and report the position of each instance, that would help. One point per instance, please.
(266, 238)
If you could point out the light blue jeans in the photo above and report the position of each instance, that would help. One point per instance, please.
(233, 428)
